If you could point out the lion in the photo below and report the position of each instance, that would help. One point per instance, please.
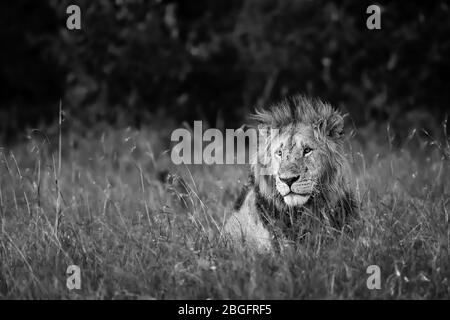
(307, 172)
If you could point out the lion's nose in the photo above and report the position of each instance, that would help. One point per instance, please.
(289, 181)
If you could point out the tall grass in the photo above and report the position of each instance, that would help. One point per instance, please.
(141, 228)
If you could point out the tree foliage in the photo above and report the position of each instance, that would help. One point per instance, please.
(216, 60)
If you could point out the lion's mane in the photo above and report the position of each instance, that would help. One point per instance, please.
(335, 196)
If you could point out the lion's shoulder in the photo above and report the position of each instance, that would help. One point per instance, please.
(245, 190)
(245, 227)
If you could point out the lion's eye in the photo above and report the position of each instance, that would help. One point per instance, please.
(279, 153)
(307, 151)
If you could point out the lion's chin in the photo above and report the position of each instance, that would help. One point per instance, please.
(296, 200)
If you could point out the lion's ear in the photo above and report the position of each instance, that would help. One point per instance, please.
(332, 126)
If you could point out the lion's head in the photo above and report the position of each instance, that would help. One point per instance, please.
(305, 154)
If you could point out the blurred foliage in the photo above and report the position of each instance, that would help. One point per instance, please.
(216, 60)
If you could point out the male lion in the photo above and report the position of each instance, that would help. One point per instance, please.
(307, 173)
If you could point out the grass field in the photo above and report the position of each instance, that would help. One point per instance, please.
(103, 202)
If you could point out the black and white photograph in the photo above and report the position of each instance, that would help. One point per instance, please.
(246, 152)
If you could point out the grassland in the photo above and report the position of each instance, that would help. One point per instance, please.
(140, 228)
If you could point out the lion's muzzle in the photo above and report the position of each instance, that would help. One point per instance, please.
(293, 186)
(289, 181)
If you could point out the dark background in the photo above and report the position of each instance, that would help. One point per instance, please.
(134, 61)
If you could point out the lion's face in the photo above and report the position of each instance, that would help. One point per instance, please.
(297, 163)
(303, 157)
